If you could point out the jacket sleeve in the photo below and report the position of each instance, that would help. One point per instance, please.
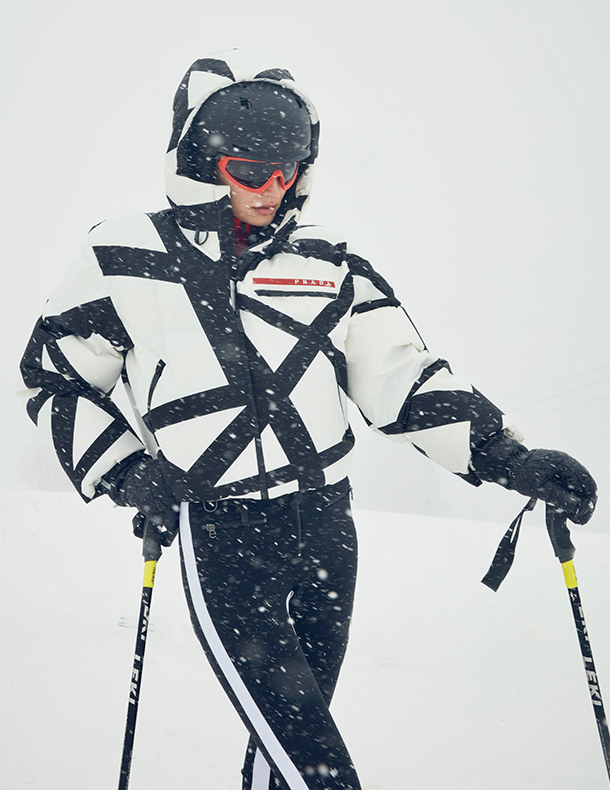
(71, 364)
(407, 393)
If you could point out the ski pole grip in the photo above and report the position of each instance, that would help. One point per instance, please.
(559, 533)
(151, 548)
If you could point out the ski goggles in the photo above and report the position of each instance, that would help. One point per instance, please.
(257, 176)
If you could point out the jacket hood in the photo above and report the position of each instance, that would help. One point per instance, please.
(197, 203)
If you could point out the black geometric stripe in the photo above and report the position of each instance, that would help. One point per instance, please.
(297, 362)
(290, 472)
(312, 339)
(433, 409)
(35, 404)
(404, 418)
(274, 74)
(198, 405)
(34, 376)
(98, 316)
(52, 384)
(485, 420)
(444, 407)
(326, 458)
(63, 366)
(181, 110)
(275, 407)
(361, 267)
(138, 263)
(203, 215)
(45, 332)
(215, 461)
(66, 385)
(426, 375)
(103, 442)
(213, 66)
(338, 451)
(268, 292)
(63, 415)
(105, 403)
(321, 249)
(374, 304)
(208, 296)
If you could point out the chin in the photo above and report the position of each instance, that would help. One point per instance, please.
(260, 222)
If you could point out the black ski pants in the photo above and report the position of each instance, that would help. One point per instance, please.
(270, 586)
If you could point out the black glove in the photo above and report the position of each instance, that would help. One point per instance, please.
(138, 482)
(550, 475)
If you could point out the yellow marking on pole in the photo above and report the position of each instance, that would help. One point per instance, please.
(149, 573)
(569, 574)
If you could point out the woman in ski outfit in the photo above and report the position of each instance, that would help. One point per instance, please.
(239, 336)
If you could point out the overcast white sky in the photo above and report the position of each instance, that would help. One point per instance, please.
(464, 151)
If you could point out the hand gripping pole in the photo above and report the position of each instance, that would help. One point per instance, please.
(151, 551)
(559, 533)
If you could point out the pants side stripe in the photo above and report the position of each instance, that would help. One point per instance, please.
(261, 773)
(276, 751)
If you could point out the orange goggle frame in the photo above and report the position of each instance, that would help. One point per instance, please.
(255, 176)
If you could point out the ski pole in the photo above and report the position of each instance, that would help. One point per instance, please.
(151, 552)
(559, 533)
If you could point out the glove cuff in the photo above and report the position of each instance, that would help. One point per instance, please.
(498, 460)
(113, 481)
(138, 481)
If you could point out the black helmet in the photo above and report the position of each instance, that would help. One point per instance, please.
(256, 120)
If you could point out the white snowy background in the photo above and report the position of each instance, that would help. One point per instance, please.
(464, 151)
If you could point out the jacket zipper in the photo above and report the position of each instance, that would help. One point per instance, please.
(299, 530)
(258, 445)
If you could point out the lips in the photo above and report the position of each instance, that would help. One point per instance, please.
(264, 210)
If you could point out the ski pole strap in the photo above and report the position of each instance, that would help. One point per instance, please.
(505, 554)
(559, 533)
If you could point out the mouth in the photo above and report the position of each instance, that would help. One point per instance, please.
(265, 210)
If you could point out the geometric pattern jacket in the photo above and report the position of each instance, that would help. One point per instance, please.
(238, 370)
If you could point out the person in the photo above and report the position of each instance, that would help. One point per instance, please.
(239, 335)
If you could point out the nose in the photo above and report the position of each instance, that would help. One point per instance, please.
(274, 190)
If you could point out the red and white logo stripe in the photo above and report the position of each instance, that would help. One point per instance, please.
(296, 281)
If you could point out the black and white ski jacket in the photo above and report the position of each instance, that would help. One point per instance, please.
(238, 370)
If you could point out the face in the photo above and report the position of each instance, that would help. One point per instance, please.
(254, 208)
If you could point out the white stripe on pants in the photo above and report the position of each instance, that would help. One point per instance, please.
(276, 751)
